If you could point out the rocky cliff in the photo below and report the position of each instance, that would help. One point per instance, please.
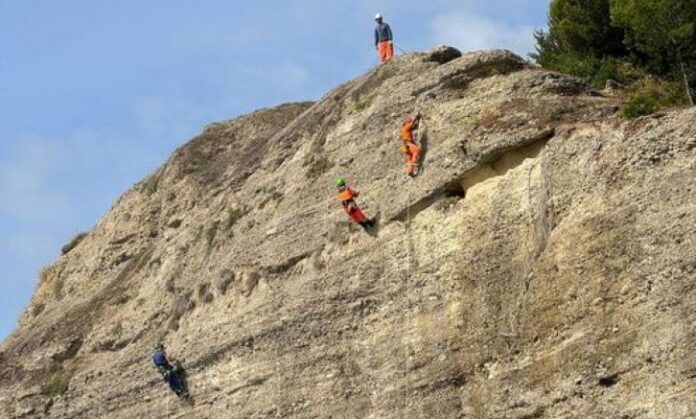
(543, 265)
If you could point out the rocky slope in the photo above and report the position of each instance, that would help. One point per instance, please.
(542, 266)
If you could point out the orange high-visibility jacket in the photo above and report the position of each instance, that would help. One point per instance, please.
(346, 195)
(407, 131)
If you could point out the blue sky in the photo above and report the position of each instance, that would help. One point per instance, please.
(94, 95)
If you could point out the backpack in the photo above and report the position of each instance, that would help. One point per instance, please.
(160, 359)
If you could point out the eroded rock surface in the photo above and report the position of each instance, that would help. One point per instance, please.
(542, 266)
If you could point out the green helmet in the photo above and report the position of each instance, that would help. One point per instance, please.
(341, 182)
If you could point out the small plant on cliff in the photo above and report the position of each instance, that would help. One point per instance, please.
(275, 195)
(319, 167)
(120, 299)
(150, 185)
(233, 215)
(640, 105)
(117, 330)
(197, 159)
(362, 102)
(58, 382)
(73, 243)
(37, 309)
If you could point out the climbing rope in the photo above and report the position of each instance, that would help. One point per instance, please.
(371, 384)
(409, 237)
(396, 46)
(326, 203)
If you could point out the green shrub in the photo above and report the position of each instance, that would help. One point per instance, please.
(57, 383)
(627, 41)
(362, 102)
(150, 185)
(120, 299)
(275, 195)
(640, 105)
(37, 309)
(628, 74)
(603, 71)
(73, 243)
(117, 330)
(359, 105)
(651, 94)
(44, 274)
(56, 386)
(319, 167)
(197, 159)
(595, 71)
(233, 215)
(387, 71)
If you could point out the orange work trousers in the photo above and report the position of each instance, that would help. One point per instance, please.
(412, 151)
(355, 214)
(386, 51)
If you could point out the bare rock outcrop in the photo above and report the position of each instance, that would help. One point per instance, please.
(541, 266)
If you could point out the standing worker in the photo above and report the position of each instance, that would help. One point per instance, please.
(384, 41)
(347, 197)
(410, 147)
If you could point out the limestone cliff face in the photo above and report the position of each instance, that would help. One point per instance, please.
(542, 266)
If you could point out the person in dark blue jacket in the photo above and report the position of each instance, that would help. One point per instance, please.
(384, 40)
(167, 367)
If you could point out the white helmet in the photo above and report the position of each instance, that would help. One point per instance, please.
(378, 16)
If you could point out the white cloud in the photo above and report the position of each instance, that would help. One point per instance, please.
(470, 31)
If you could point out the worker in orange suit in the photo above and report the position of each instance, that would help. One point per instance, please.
(347, 197)
(410, 147)
(384, 41)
